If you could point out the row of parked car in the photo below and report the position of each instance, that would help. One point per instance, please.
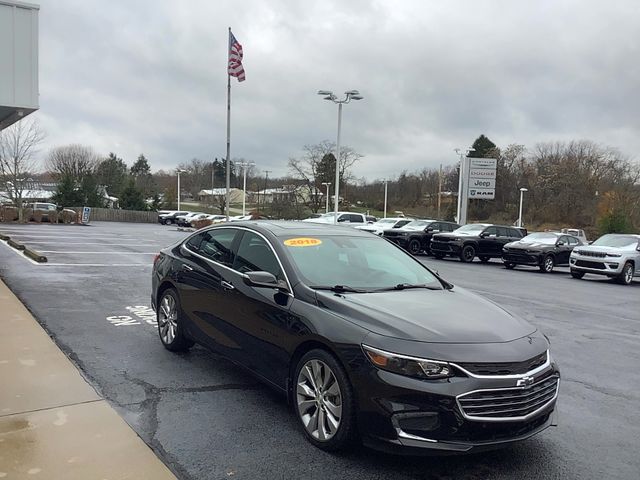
(614, 255)
(184, 218)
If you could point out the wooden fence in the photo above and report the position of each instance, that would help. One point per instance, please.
(114, 215)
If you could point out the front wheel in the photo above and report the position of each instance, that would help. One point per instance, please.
(324, 401)
(170, 326)
(414, 246)
(547, 264)
(626, 276)
(468, 253)
(577, 274)
(509, 265)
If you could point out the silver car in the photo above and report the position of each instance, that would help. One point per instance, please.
(614, 255)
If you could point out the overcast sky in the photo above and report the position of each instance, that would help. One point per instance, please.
(150, 77)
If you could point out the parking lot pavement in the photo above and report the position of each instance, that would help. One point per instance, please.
(208, 419)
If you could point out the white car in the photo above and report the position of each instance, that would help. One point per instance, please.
(384, 224)
(185, 220)
(346, 218)
(217, 218)
(614, 255)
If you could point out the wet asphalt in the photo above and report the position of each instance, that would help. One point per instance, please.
(208, 419)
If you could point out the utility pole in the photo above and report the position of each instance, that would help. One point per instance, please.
(213, 169)
(439, 190)
(385, 198)
(266, 178)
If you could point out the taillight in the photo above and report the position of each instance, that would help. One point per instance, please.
(156, 258)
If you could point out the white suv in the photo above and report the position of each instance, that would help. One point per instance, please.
(614, 255)
(345, 218)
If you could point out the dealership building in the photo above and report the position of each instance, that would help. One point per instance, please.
(18, 61)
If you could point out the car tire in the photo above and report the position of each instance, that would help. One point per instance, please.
(326, 412)
(577, 274)
(548, 262)
(468, 253)
(414, 246)
(170, 326)
(509, 265)
(484, 258)
(438, 256)
(626, 276)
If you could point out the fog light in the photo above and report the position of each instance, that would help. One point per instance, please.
(613, 265)
(573, 260)
(417, 422)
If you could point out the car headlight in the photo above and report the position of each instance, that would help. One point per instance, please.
(616, 255)
(410, 366)
(533, 251)
(456, 239)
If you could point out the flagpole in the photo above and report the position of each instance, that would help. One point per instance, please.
(228, 134)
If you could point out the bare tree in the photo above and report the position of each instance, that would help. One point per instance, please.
(18, 144)
(72, 161)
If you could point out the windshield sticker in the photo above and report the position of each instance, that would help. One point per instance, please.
(302, 242)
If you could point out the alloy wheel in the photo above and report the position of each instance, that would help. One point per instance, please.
(548, 264)
(168, 319)
(628, 274)
(319, 400)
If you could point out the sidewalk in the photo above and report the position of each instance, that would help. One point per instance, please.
(53, 425)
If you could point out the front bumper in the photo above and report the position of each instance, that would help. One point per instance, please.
(446, 248)
(522, 258)
(406, 415)
(400, 241)
(610, 266)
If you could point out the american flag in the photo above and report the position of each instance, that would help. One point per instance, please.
(235, 58)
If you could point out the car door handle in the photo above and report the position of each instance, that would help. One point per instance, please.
(187, 268)
(226, 285)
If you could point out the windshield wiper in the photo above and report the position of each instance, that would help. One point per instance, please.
(339, 289)
(407, 286)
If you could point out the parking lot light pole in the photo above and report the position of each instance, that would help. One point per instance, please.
(522, 190)
(244, 166)
(178, 171)
(349, 95)
(327, 184)
(385, 198)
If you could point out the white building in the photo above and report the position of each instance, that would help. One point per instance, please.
(18, 61)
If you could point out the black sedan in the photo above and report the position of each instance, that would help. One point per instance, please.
(544, 250)
(365, 341)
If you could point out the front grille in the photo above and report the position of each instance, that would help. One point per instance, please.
(518, 257)
(506, 368)
(509, 403)
(587, 253)
(443, 239)
(437, 245)
(589, 264)
(391, 234)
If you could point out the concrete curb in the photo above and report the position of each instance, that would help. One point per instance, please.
(32, 254)
(14, 244)
(4, 237)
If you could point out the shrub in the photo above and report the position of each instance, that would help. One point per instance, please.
(37, 216)
(68, 216)
(615, 222)
(53, 216)
(198, 224)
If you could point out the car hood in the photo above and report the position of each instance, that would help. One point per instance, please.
(525, 245)
(597, 248)
(438, 316)
(453, 235)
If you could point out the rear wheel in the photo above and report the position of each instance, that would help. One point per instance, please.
(626, 277)
(170, 325)
(324, 401)
(577, 274)
(414, 246)
(468, 253)
(484, 258)
(547, 264)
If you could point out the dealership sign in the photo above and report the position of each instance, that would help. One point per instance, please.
(482, 178)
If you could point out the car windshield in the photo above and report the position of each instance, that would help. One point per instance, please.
(363, 263)
(540, 238)
(473, 227)
(387, 221)
(619, 241)
(416, 224)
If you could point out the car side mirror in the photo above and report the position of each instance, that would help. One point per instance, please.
(484, 235)
(560, 243)
(342, 219)
(263, 280)
(429, 229)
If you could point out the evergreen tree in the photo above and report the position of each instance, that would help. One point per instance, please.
(67, 195)
(483, 147)
(131, 197)
(112, 173)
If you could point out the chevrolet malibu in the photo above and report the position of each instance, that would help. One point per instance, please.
(366, 342)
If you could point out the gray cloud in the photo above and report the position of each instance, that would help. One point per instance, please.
(150, 76)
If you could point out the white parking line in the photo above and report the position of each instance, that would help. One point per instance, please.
(148, 244)
(117, 237)
(20, 254)
(94, 264)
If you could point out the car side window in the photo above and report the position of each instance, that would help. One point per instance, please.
(216, 245)
(435, 227)
(503, 232)
(343, 218)
(564, 240)
(193, 243)
(516, 233)
(255, 255)
(355, 218)
(491, 231)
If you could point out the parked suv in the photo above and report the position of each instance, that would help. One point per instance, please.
(384, 223)
(43, 208)
(614, 255)
(544, 250)
(343, 217)
(480, 240)
(415, 237)
(170, 217)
